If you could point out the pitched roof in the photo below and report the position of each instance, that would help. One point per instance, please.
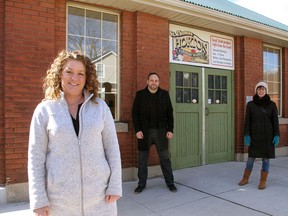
(228, 7)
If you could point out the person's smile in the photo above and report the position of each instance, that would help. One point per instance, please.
(73, 77)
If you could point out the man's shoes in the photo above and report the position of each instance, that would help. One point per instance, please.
(139, 189)
(172, 187)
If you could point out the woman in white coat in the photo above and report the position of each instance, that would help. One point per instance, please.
(74, 164)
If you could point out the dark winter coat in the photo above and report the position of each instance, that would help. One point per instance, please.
(261, 123)
(140, 113)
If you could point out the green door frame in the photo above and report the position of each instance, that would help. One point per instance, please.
(190, 120)
(188, 154)
(219, 124)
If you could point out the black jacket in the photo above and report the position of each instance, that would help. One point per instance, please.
(140, 111)
(261, 123)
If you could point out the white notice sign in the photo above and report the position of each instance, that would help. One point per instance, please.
(222, 51)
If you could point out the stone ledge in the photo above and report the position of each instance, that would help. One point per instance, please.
(279, 152)
(121, 127)
(3, 198)
(283, 120)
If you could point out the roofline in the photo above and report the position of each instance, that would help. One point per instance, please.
(214, 15)
(196, 16)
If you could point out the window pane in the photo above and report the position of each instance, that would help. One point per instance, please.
(187, 96)
(195, 96)
(75, 43)
(110, 74)
(210, 96)
(179, 95)
(218, 97)
(224, 97)
(179, 78)
(110, 60)
(272, 74)
(108, 47)
(210, 81)
(217, 82)
(265, 56)
(186, 79)
(76, 21)
(100, 70)
(110, 97)
(224, 82)
(110, 26)
(274, 88)
(93, 24)
(93, 49)
(194, 80)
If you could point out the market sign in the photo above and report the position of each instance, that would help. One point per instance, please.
(196, 47)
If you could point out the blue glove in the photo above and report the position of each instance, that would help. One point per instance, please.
(247, 140)
(276, 141)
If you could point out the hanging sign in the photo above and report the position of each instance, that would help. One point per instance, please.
(196, 47)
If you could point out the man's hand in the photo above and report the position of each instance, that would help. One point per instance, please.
(169, 135)
(44, 211)
(139, 135)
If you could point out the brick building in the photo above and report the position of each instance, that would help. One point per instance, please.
(209, 56)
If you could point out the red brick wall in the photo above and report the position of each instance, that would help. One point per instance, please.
(152, 49)
(30, 31)
(248, 71)
(60, 26)
(253, 64)
(284, 128)
(2, 140)
(128, 70)
(239, 94)
(285, 82)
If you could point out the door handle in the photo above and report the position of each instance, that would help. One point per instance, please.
(206, 111)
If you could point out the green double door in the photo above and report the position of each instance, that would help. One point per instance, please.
(203, 117)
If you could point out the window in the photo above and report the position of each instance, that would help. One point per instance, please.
(100, 68)
(272, 74)
(95, 32)
(217, 89)
(187, 87)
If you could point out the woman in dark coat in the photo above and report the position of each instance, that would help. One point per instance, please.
(261, 132)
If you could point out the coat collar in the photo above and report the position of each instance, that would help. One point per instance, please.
(87, 96)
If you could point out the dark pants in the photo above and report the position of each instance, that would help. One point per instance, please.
(157, 137)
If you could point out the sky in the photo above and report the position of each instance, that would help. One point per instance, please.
(274, 9)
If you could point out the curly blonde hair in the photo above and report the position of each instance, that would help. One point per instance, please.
(52, 82)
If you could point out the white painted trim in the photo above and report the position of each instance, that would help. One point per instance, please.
(203, 154)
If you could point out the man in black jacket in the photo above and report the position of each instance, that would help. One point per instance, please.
(153, 123)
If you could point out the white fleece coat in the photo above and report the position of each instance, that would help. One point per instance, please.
(73, 174)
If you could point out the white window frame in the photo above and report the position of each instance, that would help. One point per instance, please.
(101, 10)
(265, 46)
(102, 66)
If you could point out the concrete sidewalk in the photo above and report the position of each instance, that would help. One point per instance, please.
(210, 190)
